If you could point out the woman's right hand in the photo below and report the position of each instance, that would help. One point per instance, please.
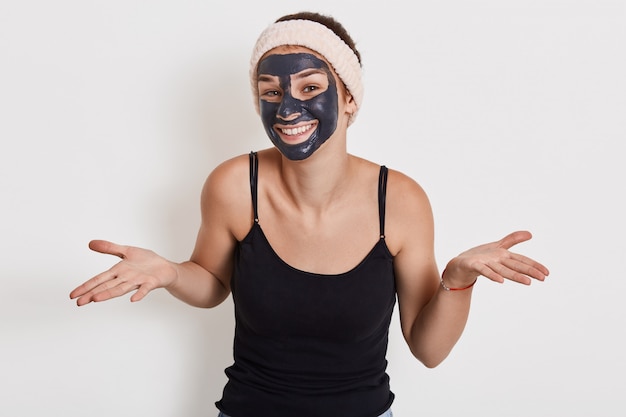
(140, 269)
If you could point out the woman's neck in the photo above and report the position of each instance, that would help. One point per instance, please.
(316, 182)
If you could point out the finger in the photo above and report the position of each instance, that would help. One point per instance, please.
(499, 272)
(514, 238)
(490, 273)
(141, 292)
(528, 266)
(509, 271)
(515, 270)
(86, 292)
(81, 301)
(112, 289)
(110, 248)
(93, 283)
(101, 282)
(106, 292)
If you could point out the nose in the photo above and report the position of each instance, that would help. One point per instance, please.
(290, 108)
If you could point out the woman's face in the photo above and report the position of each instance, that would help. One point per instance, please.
(298, 100)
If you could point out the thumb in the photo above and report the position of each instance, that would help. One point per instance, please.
(514, 238)
(110, 248)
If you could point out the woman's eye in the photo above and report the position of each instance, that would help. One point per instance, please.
(310, 88)
(271, 93)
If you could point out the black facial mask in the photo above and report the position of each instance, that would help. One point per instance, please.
(322, 108)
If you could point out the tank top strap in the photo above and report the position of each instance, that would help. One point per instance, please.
(254, 180)
(382, 196)
(382, 191)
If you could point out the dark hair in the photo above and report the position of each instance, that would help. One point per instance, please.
(327, 21)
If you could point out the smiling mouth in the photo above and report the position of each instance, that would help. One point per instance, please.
(297, 131)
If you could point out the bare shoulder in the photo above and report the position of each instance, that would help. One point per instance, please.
(409, 214)
(405, 195)
(224, 183)
(226, 197)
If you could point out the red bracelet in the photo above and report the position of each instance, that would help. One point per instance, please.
(445, 287)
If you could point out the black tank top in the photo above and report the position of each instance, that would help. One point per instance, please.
(307, 344)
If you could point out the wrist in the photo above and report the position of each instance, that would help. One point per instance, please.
(451, 282)
(173, 275)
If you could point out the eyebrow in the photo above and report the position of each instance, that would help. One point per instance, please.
(300, 75)
(308, 72)
(266, 77)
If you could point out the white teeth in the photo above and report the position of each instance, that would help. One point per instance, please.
(296, 131)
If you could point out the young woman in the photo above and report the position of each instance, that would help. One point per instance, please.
(315, 245)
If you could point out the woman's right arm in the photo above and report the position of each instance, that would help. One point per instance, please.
(204, 280)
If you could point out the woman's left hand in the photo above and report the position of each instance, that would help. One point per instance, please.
(495, 261)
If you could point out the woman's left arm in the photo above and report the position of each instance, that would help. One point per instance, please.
(433, 313)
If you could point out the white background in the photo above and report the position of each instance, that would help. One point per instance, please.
(511, 114)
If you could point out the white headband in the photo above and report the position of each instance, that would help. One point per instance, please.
(318, 38)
